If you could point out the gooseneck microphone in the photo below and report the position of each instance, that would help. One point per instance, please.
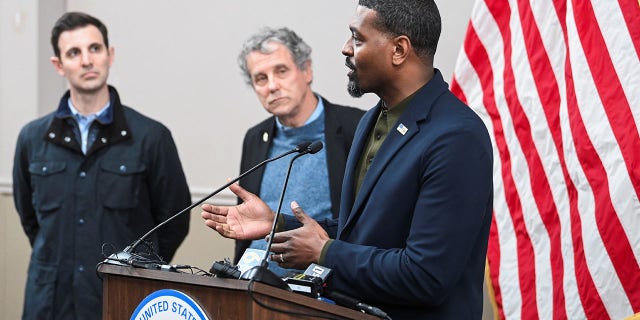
(353, 303)
(262, 273)
(311, 149)
(125, 256)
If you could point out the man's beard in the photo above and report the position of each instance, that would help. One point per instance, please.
(353, 87)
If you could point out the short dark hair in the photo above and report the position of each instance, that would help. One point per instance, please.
(74, 20)
(300, 50)
(417, 19)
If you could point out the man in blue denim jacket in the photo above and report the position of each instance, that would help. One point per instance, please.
(93, 172)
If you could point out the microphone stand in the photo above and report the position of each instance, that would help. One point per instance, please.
(262, 273)
(125, 257)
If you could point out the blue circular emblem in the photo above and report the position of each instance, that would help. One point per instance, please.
(167, 304)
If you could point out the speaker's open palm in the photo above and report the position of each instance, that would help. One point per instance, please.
(247, 221)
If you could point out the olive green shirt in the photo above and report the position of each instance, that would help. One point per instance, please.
(386, 119)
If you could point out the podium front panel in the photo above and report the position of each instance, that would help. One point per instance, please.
(124, 288)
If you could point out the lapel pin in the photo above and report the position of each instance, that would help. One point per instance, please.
(402, 129)
(265, 137)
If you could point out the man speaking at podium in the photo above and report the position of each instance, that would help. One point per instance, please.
(417, 194)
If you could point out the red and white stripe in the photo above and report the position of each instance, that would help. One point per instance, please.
(557, 83)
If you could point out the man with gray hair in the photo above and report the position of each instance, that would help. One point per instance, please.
(276, 63)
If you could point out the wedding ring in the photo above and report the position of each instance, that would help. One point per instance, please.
(281, 258)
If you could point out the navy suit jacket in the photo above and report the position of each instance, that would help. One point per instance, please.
(340, 124)
(413, 241)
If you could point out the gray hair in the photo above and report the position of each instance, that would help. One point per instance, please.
(300, 51)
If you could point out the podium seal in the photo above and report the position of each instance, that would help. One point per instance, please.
(167, 304)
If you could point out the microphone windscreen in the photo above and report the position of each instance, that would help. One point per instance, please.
(303, 146)
(315, 147)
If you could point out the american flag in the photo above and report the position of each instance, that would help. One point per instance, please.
(557, 83)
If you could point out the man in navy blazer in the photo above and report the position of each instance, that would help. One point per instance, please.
(276, 64)
(417, 194)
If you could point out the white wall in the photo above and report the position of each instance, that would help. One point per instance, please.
(176, 62)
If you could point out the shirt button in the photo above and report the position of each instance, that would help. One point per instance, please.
(44, 169)
(81, 268)
(67, 139)
(103, 140)
(123, 133)
(123, 168)
(52, 135)
(83, 174)
(80, 221)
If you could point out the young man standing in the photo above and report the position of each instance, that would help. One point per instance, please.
(90, 174)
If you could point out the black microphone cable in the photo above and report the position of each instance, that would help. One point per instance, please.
(293, 313)
(311, 149)
(262, 273)
(353, 303)
(127, 253)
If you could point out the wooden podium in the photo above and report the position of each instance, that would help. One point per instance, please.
(124, 287)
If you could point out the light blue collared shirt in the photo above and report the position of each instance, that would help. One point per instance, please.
(84, 122)
(314, 115)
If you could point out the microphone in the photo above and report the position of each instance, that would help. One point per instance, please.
(262, 273)
(312, 283)
(353, 303)
(313, 148)
(126, 256)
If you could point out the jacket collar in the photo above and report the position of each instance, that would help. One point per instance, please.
(112, 125)
(407, 126)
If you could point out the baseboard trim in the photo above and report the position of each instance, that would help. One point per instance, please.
(225, 197)
(6, 187)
